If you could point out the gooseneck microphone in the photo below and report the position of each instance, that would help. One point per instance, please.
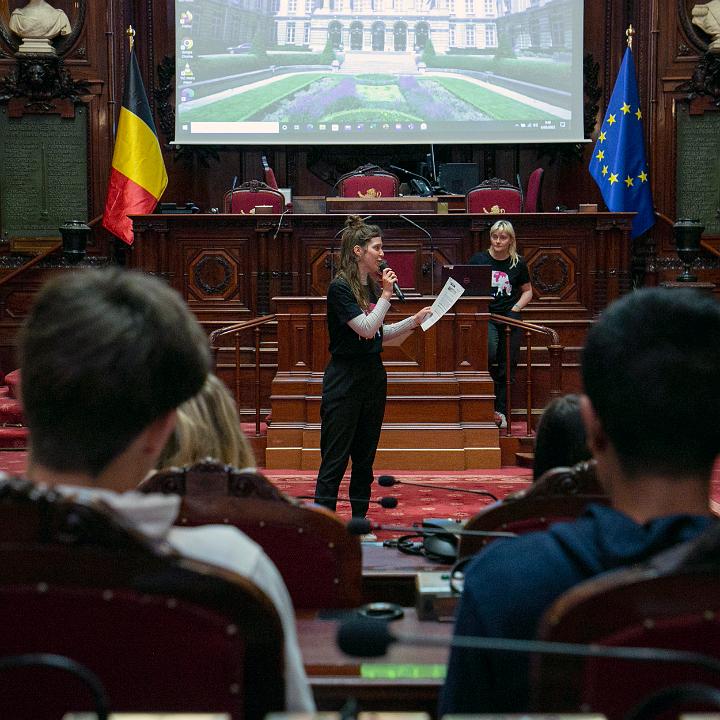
(386, 502)
(362, 526)
(389, 481)
(396, 288)
(371, 637)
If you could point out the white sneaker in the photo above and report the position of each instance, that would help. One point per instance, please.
(500, 420)
(368, 537)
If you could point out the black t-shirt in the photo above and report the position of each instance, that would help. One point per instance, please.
(505, 281)
(341, 307)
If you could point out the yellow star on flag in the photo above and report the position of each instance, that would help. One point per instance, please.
(601, 137)
(625, 108)
(605, 170)
(611, 119)
(638, 114)
(600, 155)
(628, 181)
(643, 176)
(613, 178)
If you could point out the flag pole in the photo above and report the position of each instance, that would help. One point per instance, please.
(629, 35)
(130, 32)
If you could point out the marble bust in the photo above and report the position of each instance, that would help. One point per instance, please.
(707, 17)
(39, 19)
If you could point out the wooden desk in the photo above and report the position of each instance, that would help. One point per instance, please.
(389, 575)
(335, 677)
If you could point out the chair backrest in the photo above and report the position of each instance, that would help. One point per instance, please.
(561, 494)
(320, 562)
(245, 198)
(270, 180)
(494, 196)
(161, 632)
(369, 182)
(533, 194)
(210, 477)
(673, 602)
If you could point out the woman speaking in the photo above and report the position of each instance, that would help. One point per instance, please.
(355, 382)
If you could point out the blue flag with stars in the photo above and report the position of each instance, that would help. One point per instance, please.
(618, 163)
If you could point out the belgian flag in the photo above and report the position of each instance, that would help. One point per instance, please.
(138, 177)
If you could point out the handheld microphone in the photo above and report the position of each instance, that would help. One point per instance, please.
(386, 502)
(396, 288)
(389, 481)
(362, 526)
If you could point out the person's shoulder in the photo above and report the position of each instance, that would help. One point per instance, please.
(479, 258)
(339, 286)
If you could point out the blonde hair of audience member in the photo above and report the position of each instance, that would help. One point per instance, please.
(208, 425)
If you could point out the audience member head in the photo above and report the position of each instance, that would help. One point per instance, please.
(208, 425)
(506, 227)
(560, 438)
(105, 355)
(650, 370)
(355, 233)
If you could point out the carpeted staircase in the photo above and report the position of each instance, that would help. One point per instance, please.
(13, 432)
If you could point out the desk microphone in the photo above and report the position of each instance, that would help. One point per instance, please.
(370, 637)
(396, 288)
(386, 502)
(362, 526)
(389, 481)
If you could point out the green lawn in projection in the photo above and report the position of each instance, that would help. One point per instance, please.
(312, 97)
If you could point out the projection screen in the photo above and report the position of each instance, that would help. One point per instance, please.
(378, 71)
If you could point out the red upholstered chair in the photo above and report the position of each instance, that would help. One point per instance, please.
(161, 632)
(494, 196)
(533, 193)
(671, 602)
(248, 196)
(559, 494)
(319, 560)
(368, 181)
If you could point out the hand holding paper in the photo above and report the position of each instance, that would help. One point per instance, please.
(445, 300)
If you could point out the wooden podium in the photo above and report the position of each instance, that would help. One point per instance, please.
(439, 413)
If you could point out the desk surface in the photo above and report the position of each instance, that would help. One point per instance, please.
(389, 575)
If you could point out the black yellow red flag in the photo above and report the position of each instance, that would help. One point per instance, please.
(138, 177)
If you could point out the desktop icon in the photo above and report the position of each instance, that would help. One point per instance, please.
(322, 126)
(186, 43)
(186, 18)
(334, 127)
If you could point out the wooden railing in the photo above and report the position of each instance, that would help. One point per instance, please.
(555, 351)
(255, 324)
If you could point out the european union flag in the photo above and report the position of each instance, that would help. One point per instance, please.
(618, 163)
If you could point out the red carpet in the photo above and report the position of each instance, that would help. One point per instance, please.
(414, 503)
(418, 503)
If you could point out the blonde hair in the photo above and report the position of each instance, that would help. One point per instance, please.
(208, 425)
(356, 232)
(506, 227)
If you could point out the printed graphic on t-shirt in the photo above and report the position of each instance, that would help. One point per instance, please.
(501, 283)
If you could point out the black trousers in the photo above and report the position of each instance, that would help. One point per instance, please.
(497, 359)
(352, 409)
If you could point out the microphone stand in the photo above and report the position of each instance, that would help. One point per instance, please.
(432, 249)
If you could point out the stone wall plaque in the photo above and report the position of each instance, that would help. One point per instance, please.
(698, 167)
(43, 174)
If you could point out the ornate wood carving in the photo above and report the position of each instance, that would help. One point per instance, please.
(41, 79)
(705, 80)
(550, 273)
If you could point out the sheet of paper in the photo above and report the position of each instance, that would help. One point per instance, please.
(443, 302)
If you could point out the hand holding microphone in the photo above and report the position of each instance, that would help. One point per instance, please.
(390, 277)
